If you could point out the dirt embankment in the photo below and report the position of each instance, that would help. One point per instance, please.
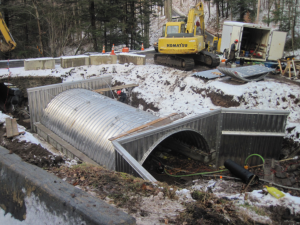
(218, 99)
(31, 153)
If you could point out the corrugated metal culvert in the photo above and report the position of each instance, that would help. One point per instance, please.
(87, 120)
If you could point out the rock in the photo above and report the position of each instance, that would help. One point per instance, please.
(156, 198)
(297, 173)
(58, 159)
(160, 195)
(293, 180)
(151, 198)
(25, 116)
(281, 174)
(286, 182)
(278, 168)
(293, 168)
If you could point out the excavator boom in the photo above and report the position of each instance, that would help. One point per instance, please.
(10, 42)
(196, 11)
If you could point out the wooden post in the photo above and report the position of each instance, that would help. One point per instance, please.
(280, 67)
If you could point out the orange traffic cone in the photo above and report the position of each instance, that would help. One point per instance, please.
(103, 49)
(113, 50)
(142, 47)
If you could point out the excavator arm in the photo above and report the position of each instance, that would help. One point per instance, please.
(10, 42)
(196, 11)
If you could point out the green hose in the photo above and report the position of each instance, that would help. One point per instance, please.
(254, 155)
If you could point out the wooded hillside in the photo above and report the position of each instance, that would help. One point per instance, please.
(50, 27)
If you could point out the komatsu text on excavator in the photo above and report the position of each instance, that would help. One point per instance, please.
(183, 44)
(9, 43)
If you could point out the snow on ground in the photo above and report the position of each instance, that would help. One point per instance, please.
(171, 91)
(246, 203)
(296, 53)
(175, 91)
(27, 136)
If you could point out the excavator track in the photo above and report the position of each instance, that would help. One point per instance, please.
(180, 62)
(208, 58)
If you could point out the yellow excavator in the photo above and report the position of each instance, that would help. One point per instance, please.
(183, 44)
(10, 42)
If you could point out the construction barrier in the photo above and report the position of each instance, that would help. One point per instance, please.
(132, 58)
(39, 64)
(74, 61)
(103, 59)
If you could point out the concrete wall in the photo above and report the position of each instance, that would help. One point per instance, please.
(131, 58)
(33, 196)
(39, 64)
(30, 82)
(103, 59)
(74, 61)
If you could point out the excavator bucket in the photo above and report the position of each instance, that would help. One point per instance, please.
(4, 47)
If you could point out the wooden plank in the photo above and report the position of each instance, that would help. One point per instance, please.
(9, 132)
(11, 127)
(115, 88)
(15, 127)
(22, 132)
(294, 68)
(141, 127)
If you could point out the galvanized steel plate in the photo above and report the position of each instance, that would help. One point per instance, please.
(209, 74)
(87, 120)
(246, 73)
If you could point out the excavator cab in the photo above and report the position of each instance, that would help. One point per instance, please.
(174, 28)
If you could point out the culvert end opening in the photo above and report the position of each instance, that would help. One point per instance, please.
(182, 153)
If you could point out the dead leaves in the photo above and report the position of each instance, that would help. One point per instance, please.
(146, 187)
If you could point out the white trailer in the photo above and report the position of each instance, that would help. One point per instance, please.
(260, 42)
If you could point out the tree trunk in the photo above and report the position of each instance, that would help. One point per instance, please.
(222, 8)
(132, 22)
(218, 16)
(168, 10)
(39, 27)
(93, 25)
(242, 10)
(258, 10)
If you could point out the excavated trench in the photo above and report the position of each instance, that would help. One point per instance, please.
(183, 152)
(13, 95)
(169, 155)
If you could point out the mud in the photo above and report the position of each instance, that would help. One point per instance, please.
(137, 102)
(280, 213)
(198, 213)
(31, 153)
